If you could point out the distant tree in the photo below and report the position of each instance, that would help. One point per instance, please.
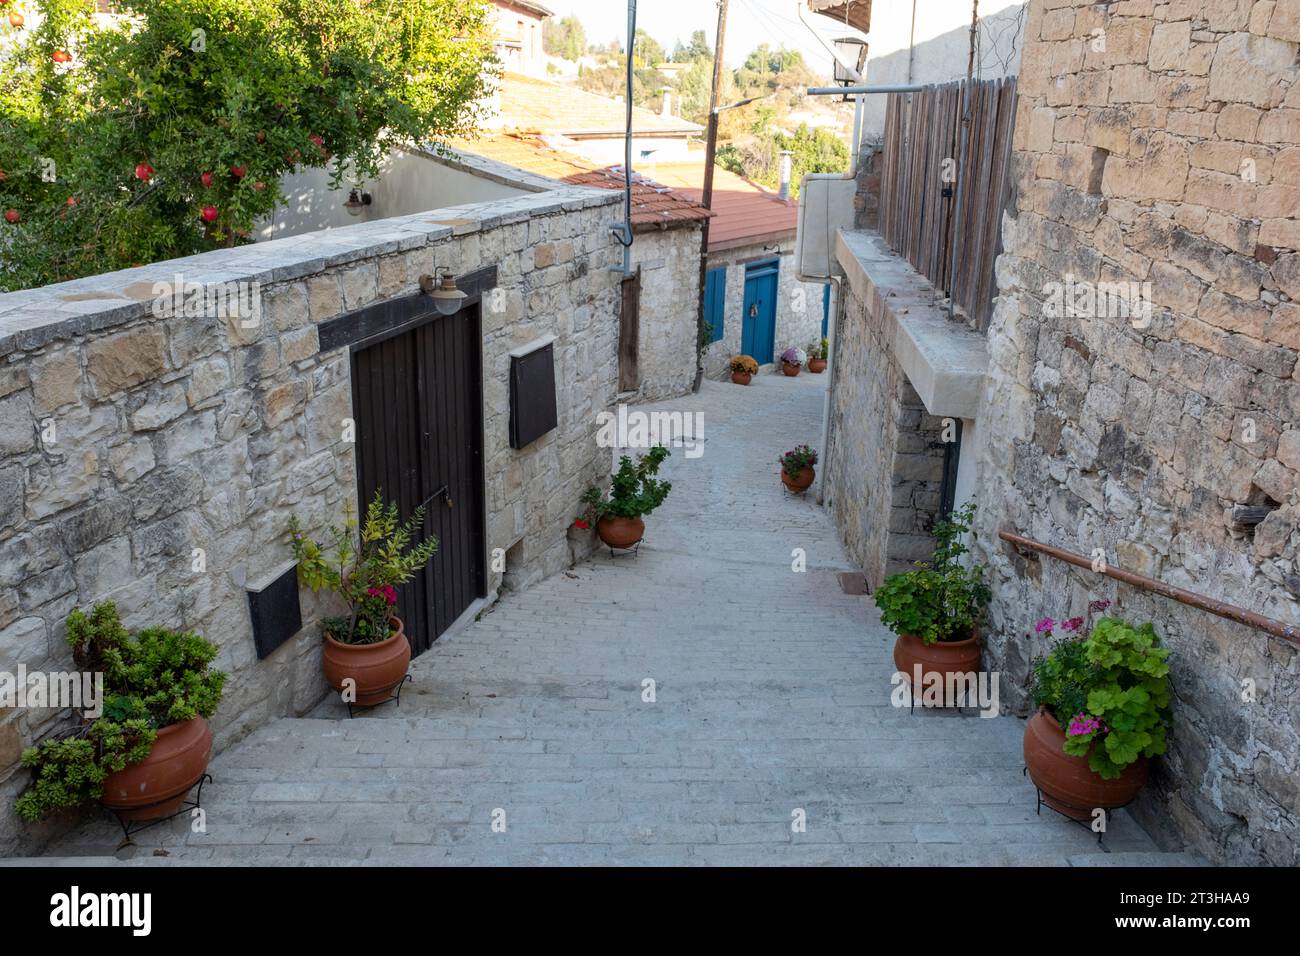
(697, 49)
(564, 38)
(649, 52)
(758, 156)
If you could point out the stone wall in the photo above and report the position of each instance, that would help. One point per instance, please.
(1160, 143)
(798, 307)
(669, 310)
(882, 473)
(128, 440)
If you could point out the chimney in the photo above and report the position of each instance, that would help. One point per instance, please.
(785, 173)
(668, 103)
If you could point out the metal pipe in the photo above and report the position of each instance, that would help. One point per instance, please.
(1287, 632)
(850, 90)
(626, 237)
(851, 68)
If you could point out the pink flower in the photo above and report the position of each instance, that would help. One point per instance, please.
(1082, 724)
(387, 592)
(1073, 624)
(1046, 624)
(1096, 606)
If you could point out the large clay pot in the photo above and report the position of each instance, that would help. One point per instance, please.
(741, 378)
(941, 658)
(1067, 782)
(620, 532)
(376, 668)
(817, 366)
(157, 786)
(790, 368)
(800, 482)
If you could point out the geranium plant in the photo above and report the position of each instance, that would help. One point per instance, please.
(797, 459)
(1107, 688)
(819, 350)
(363, 565)
(152, 680)
(942, 599)
(794, 356)
(634, 490)
(744, 365)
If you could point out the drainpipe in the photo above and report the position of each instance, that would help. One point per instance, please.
(786, 166)
(623, 231)
(833, 327)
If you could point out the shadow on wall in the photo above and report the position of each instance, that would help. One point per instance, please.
(942, 58)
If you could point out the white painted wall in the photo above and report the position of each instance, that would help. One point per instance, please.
(942, 46)
(409, 183)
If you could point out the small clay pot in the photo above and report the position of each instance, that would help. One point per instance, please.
(816, 366)
(790, 368)
(741, 378)
(941, 658)
(800, 482)
(156, 786)
(620, 532)
(1068, 784)
(377, 669)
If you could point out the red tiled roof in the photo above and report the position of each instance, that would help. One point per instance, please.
(531, 105)
(743, 211)
(653, 205)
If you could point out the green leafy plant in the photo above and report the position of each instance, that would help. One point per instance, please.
(633, 489)
(168, 130)
(363, 564)
(819, 350)
(1109, 692)
(152, 680)
(942, 599)
(797, 459)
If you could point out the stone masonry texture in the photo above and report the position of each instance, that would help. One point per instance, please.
(129, 442)
(771, 696)
(1159, 144)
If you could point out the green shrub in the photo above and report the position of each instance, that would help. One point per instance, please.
(633, 489)
(365, 576)
(1110, 694)
(939, 600)
(152, 680)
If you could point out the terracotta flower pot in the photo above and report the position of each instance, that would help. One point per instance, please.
(620, 532)
(816, 366)
(1067, 782)
(157, 786)
(800, 482)
(790, 368)
(741, 378)
(377, 669)
(941, 658)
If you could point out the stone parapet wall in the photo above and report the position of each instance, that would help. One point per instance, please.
(1157, 149)
(128, 441)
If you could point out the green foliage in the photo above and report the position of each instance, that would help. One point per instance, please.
(633, 491)
(758, 157)
(363, 565)
(797, 459)
(942, 599)
(564, 37)
(1110, 693)
(819, 350)
(153, 679)
(188, 87)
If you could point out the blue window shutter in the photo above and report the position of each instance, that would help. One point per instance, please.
(715, 300)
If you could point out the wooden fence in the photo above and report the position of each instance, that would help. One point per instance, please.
(922, 181)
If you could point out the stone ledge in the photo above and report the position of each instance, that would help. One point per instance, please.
(945, 361)
(33, 318)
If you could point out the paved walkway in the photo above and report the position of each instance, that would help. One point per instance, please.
(772, 696)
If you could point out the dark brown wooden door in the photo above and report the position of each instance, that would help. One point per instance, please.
(417, 396)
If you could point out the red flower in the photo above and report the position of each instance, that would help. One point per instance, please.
(582, 523)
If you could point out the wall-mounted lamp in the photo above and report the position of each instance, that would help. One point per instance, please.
(447, 299)
(357, 202)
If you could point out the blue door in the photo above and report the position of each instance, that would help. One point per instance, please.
(826, 309)
(758, 335)
(715, 301)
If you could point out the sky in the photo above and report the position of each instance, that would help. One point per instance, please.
(749, 23)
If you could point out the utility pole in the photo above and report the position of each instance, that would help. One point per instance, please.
(706, 199)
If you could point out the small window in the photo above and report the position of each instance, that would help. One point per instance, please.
(532, 392)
